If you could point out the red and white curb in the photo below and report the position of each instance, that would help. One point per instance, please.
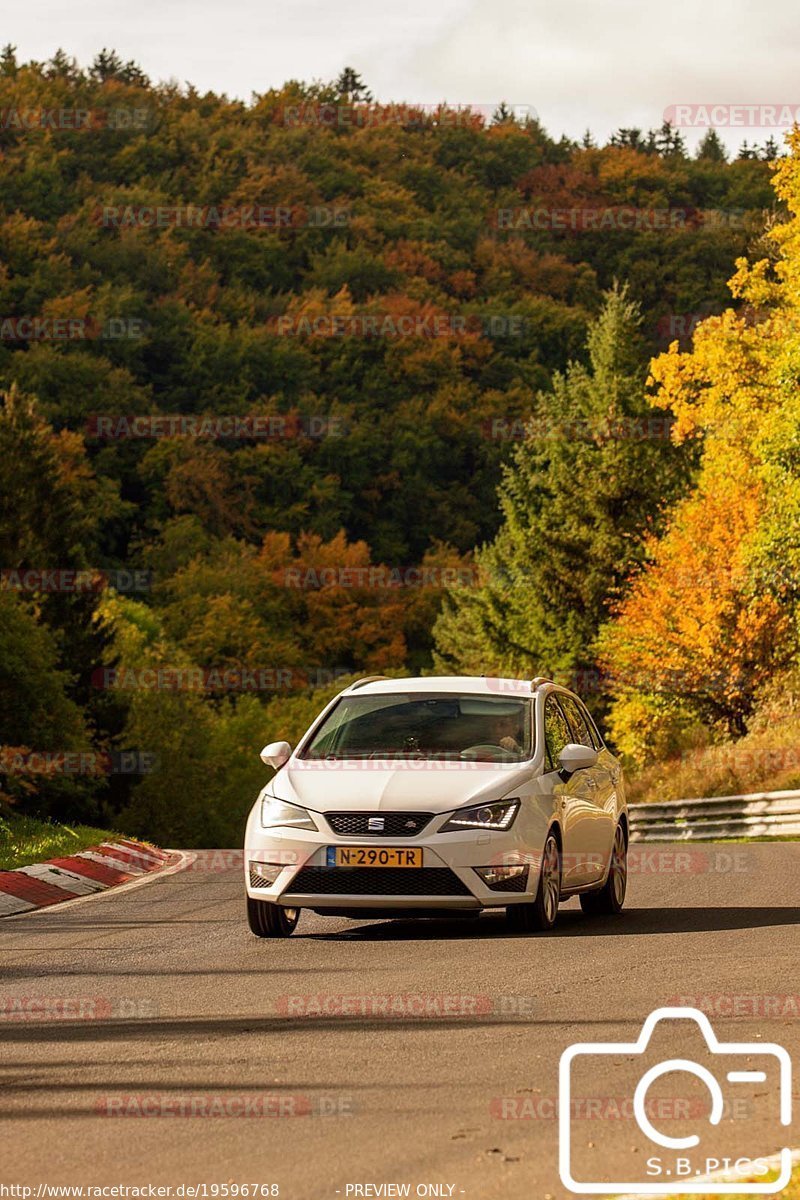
(82, 874)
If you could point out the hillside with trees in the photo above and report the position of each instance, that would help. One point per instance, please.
(264, 367)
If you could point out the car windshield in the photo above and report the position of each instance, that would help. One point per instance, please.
(424, 725)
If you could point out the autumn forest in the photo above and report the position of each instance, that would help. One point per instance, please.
(314, 386)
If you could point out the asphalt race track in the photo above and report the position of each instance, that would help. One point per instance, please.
(122, 1011)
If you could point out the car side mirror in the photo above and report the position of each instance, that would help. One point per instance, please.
(575, 757)
(276, 754)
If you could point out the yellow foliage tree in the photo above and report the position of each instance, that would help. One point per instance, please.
(712, 615)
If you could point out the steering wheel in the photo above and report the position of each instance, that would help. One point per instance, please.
(488, 749)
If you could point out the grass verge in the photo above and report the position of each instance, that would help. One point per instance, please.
(765, 759)
(24, 840)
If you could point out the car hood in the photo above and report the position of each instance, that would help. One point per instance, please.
(378, 787)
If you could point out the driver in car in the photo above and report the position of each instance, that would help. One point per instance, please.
(505, 731)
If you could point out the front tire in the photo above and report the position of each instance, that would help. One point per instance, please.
(541, 915)
(271, 920)
(610, 898)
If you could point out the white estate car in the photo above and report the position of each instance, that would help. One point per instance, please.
(418, 797)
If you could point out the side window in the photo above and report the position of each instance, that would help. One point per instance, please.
(578, 723)
(556, 731)
(593, 730)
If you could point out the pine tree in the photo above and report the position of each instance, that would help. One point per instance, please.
(629, 139)
(503, 115)
(582, 489)
(712, 148)
(770, 150)
(351, 85)
(8, 60)
(108, 65)
(61, 66)
(667, 141)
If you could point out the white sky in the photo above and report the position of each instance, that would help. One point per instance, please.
(578, 63)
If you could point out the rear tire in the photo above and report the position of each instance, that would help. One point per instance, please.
(271, 920)
(541, 915)
(608, 901)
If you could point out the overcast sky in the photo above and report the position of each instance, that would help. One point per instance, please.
(578, 63)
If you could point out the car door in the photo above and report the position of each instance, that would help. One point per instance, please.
(598, 791)
(573, 799)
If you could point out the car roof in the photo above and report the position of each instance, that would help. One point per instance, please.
(478, 685)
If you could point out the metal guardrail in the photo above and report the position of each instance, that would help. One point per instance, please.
(761, 814)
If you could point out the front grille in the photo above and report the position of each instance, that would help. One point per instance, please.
(377, 881)
(395, 824)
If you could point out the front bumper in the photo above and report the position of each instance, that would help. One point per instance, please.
(297, 874)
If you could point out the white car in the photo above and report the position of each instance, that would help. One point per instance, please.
(431, 796)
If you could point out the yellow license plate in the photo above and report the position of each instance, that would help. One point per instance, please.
(373, 856)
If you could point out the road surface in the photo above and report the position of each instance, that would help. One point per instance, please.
(123, 1013)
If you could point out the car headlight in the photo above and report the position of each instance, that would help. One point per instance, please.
(498, 815)
(276, 812)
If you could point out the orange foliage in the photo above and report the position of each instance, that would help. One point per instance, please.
(694, 625)
(347, 608)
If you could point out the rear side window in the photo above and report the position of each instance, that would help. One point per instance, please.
(579, 725)
(556, 731)
(599, 744)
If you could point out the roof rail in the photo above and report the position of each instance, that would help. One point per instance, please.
(367, 679)
(538, 681)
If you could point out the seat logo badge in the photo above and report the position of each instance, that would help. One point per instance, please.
(375, 824)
